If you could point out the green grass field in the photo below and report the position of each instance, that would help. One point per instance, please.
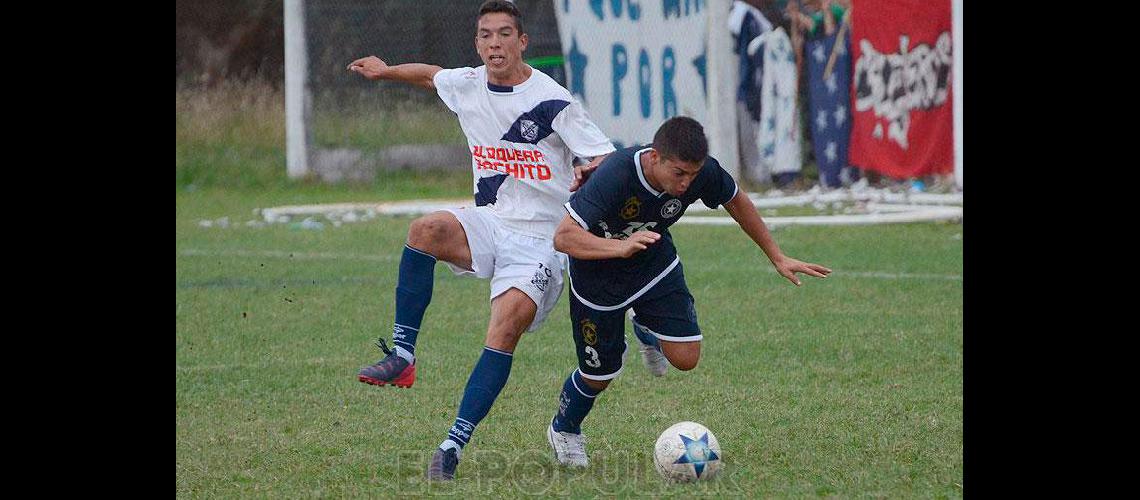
(848, 387)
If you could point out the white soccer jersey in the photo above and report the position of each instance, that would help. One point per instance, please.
(522, 140)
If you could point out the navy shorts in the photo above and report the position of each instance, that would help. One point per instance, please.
(667, 311)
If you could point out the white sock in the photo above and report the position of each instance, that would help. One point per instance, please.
(448, 444)
(404, 353)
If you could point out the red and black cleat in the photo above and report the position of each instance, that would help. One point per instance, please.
(392, 370)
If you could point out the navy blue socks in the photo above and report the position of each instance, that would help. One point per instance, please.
(413, 294)
(487, 379)
(574, 404)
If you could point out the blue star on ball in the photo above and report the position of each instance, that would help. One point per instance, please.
(697, 452)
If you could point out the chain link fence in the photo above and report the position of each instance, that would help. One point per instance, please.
(359, 126)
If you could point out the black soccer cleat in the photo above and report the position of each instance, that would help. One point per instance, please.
(443, 464)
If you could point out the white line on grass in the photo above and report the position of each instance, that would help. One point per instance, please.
(263, 364)
(895, 276)
(191, 252)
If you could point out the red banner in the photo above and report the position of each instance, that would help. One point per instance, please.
(903, 120)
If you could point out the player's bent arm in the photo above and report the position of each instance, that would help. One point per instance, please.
(576, 242)
(741, 209)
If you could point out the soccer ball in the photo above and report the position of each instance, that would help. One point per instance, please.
(687, 452)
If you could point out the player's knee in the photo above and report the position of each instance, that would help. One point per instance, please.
(503, 339)
(683, 356)
(428, 233)
(685, 363)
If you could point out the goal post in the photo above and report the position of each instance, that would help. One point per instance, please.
(297, 98)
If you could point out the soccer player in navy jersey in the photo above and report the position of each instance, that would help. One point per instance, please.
(616, 233)
(524, 131)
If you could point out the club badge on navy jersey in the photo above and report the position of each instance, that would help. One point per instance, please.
(631, 209)
(671, 208)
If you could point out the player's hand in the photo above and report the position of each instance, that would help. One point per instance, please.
(637, 242)
(788, 267)
(584, 171)
(370, 67)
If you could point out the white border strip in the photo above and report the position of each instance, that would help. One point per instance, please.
(641, 175)
(611, 376)
(505, 353)
(421, 252)
(577, 217)
(591, 305)
(580, 391)
(659, 336)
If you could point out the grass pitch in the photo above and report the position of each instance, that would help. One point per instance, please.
(849, 386)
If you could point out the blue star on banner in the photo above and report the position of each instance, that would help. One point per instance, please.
(828, 99)
(697, 452)
(578, 62)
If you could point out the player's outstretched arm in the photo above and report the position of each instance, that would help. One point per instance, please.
(576, 242)
(741, 209)
(374, 68)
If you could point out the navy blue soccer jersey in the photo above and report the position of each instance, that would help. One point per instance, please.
(617, 201)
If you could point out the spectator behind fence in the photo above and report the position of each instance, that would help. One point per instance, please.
(747, 22)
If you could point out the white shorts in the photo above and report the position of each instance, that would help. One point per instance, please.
(511, 260)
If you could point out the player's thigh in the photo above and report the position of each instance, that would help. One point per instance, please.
(442, 235)
(599, 340)
(529, 265)
(480, 230)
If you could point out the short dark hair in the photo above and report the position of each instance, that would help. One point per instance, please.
(681, 138)
(491, 6)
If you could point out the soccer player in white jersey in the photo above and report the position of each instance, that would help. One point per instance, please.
(523, 130)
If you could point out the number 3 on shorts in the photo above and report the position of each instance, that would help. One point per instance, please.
(593, 362)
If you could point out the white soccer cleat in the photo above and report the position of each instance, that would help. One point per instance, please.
(654, 360)
(569, 449)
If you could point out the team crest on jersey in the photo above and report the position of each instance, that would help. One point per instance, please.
(671, 208)
(528, 129)
(589, 332)
(541, 278)
(631, 209)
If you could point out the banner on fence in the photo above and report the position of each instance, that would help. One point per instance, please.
(903, 114)
(635, 63)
